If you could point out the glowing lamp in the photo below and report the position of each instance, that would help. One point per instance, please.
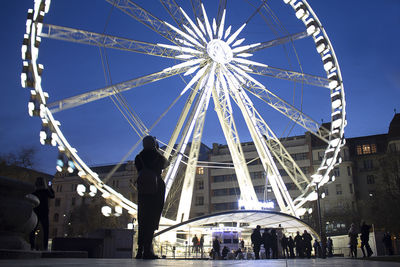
(118, 211)
(129, 226)
(106, 211)
(301, 211)
(312, 196)
(81, 189)
(71, 166)
(310, 210)
(93, 190)
(323, 195)
(333, 178)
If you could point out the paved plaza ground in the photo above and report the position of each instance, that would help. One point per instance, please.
(162, 262)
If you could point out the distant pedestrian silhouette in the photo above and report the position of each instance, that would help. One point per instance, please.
(256, 239)
(364, 240)
(353, 234)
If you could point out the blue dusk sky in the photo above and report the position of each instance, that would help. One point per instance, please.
(365, 36)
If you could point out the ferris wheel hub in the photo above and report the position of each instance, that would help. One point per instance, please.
(219, 51)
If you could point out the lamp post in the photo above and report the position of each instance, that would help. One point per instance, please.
(321, 232)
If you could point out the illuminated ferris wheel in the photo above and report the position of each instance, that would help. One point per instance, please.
(219, 67)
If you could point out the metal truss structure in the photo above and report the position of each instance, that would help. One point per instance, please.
(221, 69)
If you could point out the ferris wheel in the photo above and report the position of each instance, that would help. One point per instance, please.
(206, 48)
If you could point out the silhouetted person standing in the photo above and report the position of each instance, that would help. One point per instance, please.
(256, 239)
(284, 243)
(364, 239)
(298, 242)
(267, 240)
(353, 234)
(307, 244)
(217, 248)
(150, 205)
(274, 244)
(43, 193)
(291, 247)
(330, 247)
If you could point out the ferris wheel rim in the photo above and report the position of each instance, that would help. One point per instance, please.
(336, 132)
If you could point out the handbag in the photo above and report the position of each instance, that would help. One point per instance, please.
(147, 180)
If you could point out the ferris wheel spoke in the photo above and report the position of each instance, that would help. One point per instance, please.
(198, 13)
(185, 200)
(288, 110)
(276, 42)
(109, 41)
(221, 11)
(145, 17)
(225, 116)
(284, 74)
(274, 145)
(97, 94)
(176, 14)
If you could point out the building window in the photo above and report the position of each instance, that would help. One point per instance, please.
(321, 155)
(326, 191)
(57, 202)
(366, 149)
(56, 217)
(199, 201)
(370, 179)
(200, 185)
(200, 170)
(348, 171)
(336, 172)
(351, 188)
(339, 189)
(368, 165)
(256, 175)
(59, 188)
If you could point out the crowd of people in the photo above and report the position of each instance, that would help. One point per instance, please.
(275, 241)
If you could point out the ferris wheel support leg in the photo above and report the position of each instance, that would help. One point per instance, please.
(247, 109)
(173, 169)
(225, 116)
(190, 173)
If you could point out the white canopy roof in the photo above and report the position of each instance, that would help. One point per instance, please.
(249, 218)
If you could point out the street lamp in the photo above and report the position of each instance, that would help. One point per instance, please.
(321, 233)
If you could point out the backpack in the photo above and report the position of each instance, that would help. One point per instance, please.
(147, 180)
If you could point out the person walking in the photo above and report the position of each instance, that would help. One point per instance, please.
(43, 193)
(151, 193)
(256, 240)
(365, 239)
(353, 234)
